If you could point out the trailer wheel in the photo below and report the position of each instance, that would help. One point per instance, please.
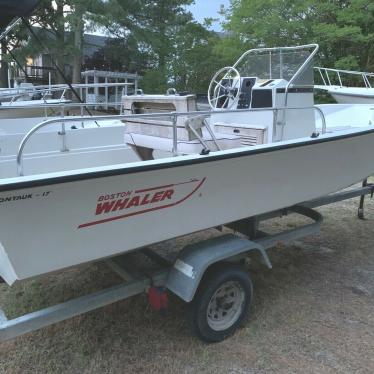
(221, 303)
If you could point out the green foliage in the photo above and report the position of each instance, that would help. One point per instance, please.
(229, 49)
(194, 60)
(343, 29)
(163, 43)
(154, 82)
(160, 40)
(151, 23)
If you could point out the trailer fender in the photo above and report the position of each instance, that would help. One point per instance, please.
(188, 269)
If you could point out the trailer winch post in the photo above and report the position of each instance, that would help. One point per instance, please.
(361, 207)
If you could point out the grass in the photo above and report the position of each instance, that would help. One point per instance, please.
(313, 313)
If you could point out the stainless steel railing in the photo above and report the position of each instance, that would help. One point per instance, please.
(172, 115)
(326, 78)
(84, 91)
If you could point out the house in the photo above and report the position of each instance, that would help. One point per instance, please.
(40, 69)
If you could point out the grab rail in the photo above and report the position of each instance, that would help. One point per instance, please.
(324, 73)
(173, 115)
(59, 104)
(61, 87)
(14, 93)
(279, 49)
(323, 118)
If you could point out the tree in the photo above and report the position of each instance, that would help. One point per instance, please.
(162, 17)
(77, 28)
(345, 32)
(158, 39)
(194, 60)
(151, 24)
(274, 22)
(119, 54)
(4, 64)
(172, 49)
(59, 26)
(343, 29)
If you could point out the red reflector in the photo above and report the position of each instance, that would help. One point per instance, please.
(158, 298)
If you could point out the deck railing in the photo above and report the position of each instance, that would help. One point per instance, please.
(327, 75)
(84, 90)
(172, 115)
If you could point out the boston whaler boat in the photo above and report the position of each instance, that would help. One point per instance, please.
(263, 147)
(92, 211)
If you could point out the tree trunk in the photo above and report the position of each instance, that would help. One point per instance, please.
(78, 46)
(4, 66)
(60, 41)
(163, 39)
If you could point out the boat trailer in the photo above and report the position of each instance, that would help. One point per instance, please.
(208, 276)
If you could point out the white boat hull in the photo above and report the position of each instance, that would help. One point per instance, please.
(30, 108)
(50, 224)
(353, 95)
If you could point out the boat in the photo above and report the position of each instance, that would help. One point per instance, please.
(52, 99)
(67, 136)
(263, 146)
(17, 118)
(24, 91)
(28, 100)
(28, 108)
(346, 93)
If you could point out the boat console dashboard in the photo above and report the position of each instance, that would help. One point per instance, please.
(256, 93)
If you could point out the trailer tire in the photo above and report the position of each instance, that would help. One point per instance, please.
(221, 303)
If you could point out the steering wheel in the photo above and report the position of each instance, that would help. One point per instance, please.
(224, 88)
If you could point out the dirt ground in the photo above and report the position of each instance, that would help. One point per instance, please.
(313, 313)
